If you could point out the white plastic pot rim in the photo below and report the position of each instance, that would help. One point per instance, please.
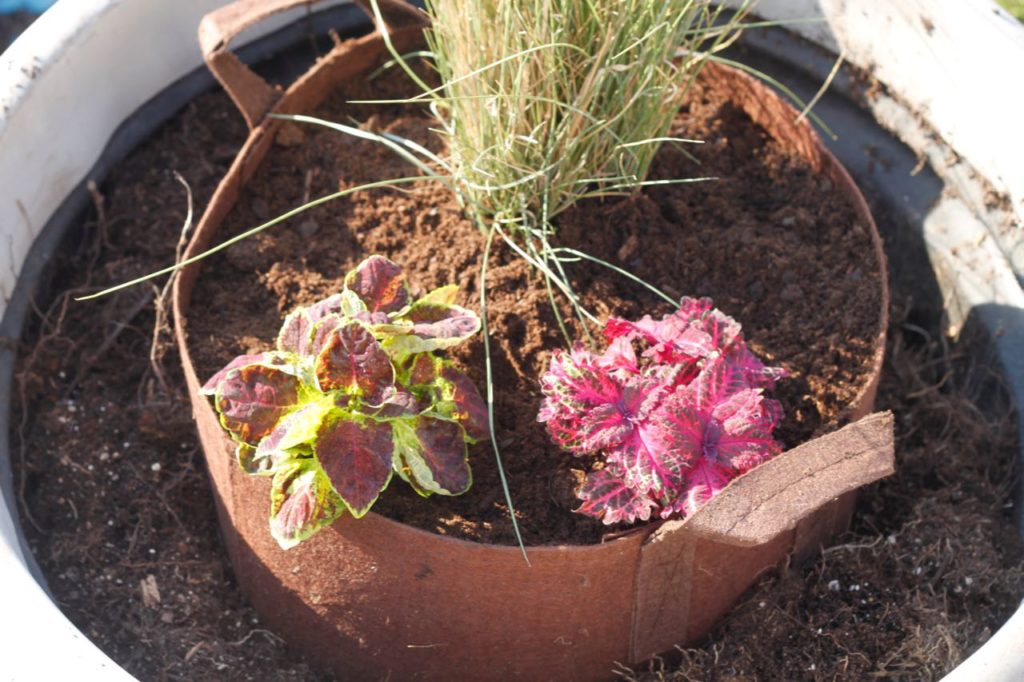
(86, 65)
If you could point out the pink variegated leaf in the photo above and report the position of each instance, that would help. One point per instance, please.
(720, 378)
(754, 371)
(616, 328)
(301, 502)
(577, 377)
(470, 408)
(252, 398)
(380, 284)
(610, 424)
(647, 466)
(705, 480)
(620, 356)
(356, 456)
(675, 426)
(354, 362)
(606, 496)
(678, 427)
(563, 426)
(295, 431)
(745, 436)
(574, 385)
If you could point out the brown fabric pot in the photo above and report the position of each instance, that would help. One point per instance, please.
(375, 599)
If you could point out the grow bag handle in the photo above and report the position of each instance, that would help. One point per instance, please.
(252, 94)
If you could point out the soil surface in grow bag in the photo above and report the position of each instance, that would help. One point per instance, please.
(774, 246)
(118, 510)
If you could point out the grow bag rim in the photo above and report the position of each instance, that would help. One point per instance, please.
(331, 591)
(242, 168)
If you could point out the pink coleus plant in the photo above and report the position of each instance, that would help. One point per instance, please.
(671, 426)
(353, 393)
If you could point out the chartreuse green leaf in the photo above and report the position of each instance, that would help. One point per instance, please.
(291, 436)
(445, 295)
(301, 502)
(356, 456)
(245, 454)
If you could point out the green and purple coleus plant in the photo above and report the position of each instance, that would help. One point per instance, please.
(353, 393)
(670, 427)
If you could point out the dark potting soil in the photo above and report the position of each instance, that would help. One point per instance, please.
(774, 246)
(117, 507)
(11, 26)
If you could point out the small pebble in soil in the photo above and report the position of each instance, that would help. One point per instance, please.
(792, 293)
(259, 208)
(155, 466)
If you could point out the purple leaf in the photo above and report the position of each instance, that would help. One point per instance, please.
(380, 284)
(251, 399)
(210, 387)
(470, 408)
(332, 305)
(356, 458)
(294, 336)
(301, 503)
(423, 370)
(607, 497)
(433, 326)
(353, 361)
(323, 330)
(443, 451)
(398, 402)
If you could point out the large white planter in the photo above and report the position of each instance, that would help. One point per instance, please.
(86, 66)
